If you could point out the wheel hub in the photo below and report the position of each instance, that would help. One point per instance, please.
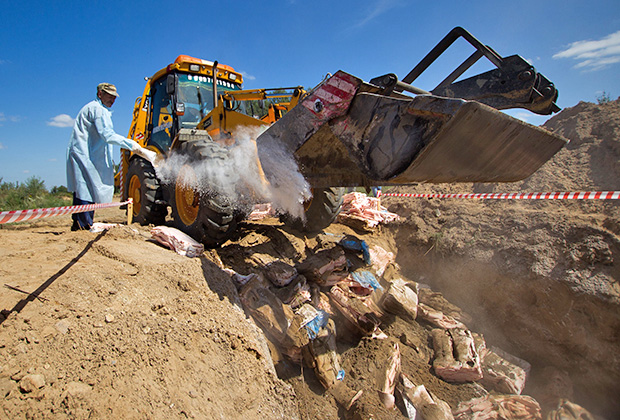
(135, 192)
(186, 198)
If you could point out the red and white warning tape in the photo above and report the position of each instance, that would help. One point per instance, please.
(24, 215)
(590, 195)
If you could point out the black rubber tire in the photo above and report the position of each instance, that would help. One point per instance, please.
(320, 212)
(216, 219)
(147, 193)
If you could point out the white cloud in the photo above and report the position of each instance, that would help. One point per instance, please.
(62, 120)
(2, 146)
(247, 76)
(11, 118)
(527, 116)
(378, 9)
(25, 171)
(594, 55)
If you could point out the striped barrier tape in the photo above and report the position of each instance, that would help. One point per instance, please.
(589, 195)
(14, 216)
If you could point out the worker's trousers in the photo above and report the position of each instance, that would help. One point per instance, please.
(82, 220)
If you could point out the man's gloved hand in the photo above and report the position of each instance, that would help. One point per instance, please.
(147, 154)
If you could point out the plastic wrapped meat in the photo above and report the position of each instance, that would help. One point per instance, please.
(387, 377)
(503, 372)
(360, 317)
(421, 404)
(567, 410)
(380, 258)
(260, 211)
(322, 355)
(499, 407)
(178, 241)
(276, 319)
(296, 293)
(400, 299)
(362, 211)
(280, 273)
(456, 358)
(437, 301)
(326, 268)
(366, 280)
(240, 280)
(437, 318)
(355, 244)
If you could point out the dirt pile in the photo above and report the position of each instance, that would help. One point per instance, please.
(126, 329)
(112, 325)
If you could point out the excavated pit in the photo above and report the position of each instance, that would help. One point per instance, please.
(539, 278)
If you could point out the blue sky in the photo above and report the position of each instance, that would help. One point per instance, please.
(54, 53)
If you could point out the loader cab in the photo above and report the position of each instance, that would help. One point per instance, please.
(181, 95)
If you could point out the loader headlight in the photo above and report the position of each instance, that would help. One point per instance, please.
(194, 67)
(318, 105)
(232, 76)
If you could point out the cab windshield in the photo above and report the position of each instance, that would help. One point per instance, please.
(196, 92)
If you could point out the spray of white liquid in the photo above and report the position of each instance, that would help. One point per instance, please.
(238, 176)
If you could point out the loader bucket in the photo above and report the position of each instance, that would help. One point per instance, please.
(347, 133)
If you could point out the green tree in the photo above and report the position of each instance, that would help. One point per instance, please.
(603, 98)
(31, 194)
(59, 190)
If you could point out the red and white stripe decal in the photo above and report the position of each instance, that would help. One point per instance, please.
(590, 195)
(338, 88)
(24, 215)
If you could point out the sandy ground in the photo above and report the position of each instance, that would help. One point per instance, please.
(113, 325)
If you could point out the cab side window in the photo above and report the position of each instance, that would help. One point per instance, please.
(161, 137)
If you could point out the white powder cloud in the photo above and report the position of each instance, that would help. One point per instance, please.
(594, 55)
(62, 120)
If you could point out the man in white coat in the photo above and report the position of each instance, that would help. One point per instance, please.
(90, 168)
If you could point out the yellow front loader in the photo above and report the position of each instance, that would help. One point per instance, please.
(188, 114)
(345, 132)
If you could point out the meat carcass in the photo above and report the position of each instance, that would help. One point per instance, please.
(326, 268)
(400, 299)
(421, 404)
(261, 211)
(567, 410)
(388, 376)
(456, 358)
(280, 273)
(380, 258)
(360, 317)
(362, 211)
(178, 241)
(323, 357)
(294, 294)
(278, 321)
(437, 318)
(499, 407)
(503, 372)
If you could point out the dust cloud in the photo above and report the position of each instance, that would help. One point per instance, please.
(234, 173)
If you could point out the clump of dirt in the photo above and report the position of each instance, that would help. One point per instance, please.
(112, 325)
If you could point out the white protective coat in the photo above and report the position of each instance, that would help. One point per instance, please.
(90, 168)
